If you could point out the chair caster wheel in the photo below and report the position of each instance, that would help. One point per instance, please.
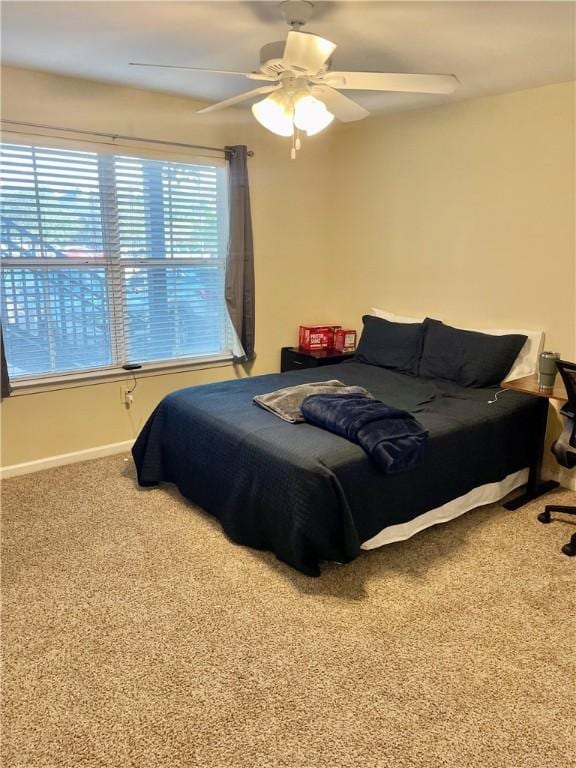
(544, 517)
(570, 548)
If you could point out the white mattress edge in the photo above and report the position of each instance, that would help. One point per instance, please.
(483, 494)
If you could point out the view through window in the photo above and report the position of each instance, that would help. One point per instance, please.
(109, 259)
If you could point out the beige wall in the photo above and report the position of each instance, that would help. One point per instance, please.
(462, 212)
(465, 213)
(289, 202)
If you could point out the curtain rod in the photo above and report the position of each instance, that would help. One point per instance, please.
(115, 136)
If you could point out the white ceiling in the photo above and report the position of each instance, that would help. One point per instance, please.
(493, 47)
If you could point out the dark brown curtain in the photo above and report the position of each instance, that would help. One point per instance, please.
(5, 380)
(240, 256)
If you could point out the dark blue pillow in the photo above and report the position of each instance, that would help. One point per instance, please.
(397, 346)
(469, 358)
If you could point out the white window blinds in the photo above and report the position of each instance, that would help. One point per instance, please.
(109, 259)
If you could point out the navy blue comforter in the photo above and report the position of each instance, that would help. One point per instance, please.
(309, 495)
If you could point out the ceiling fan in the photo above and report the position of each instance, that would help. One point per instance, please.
(304, 90)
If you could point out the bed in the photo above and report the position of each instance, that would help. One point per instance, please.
(311, 496)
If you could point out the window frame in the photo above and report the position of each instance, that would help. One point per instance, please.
(114, 264)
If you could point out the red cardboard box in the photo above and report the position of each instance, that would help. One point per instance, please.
(344, 340)
(315, 337)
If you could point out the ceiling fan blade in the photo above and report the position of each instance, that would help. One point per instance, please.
(306, 52)
(237, 99)
(382, 81)
(249, 75)
(341, 106)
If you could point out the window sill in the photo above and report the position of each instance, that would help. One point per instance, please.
(110, 375)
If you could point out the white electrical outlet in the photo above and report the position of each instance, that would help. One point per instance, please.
(127, 397)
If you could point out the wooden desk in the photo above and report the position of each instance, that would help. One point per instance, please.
(528, 385)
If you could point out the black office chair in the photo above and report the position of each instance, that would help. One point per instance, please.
(565, 447)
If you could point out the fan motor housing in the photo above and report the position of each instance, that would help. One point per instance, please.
(271, 56)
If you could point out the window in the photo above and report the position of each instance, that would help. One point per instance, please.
(109, 259)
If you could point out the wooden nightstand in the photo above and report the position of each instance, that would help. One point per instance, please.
(528, 385)
(293, 359)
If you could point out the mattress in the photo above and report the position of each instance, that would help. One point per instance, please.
(309, 495)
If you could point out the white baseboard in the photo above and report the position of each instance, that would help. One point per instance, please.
(98, 452)
(566, 477)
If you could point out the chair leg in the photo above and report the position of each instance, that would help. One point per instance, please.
(544, 517)
(568, 510)
(570, 548)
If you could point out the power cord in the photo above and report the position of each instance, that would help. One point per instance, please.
(132, 367)
(500, 391)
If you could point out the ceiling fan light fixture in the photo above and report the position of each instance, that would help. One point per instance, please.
(306, 90)
(311, 115)
(275, 114)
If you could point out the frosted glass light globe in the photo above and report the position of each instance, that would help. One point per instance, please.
(311, 115)
(275, 114)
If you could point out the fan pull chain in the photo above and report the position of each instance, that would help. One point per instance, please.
(296, 143)
(294, 131)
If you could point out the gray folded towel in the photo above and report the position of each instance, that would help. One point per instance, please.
(286, 402)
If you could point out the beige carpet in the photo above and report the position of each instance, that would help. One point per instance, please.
(137, 635)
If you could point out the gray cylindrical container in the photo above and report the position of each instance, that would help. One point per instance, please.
(547, 369)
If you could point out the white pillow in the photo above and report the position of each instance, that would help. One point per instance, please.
(525, 364)
(527, 361)
(391, 317)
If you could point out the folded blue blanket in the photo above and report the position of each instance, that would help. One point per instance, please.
(393, 439)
